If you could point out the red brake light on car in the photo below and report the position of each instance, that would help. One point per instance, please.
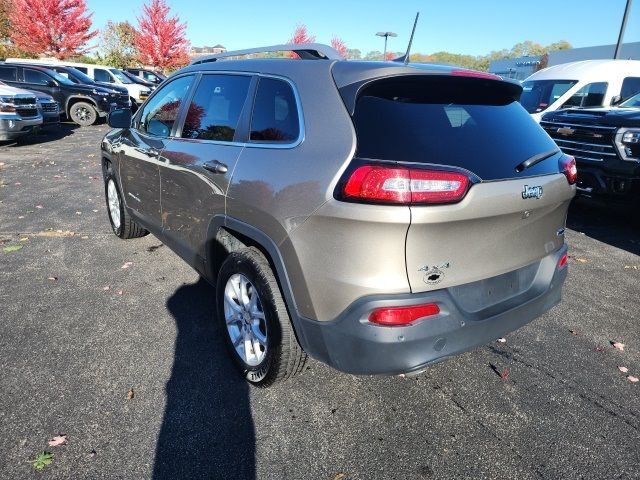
(399, 316)
(569, 168)
(384, 184)
(473, 73)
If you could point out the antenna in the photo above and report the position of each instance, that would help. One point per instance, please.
(405, 58)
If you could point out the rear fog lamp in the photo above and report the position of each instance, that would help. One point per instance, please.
(563, 261)
(401, 316)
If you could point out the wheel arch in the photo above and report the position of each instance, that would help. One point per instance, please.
(226, 235)
(73, 99)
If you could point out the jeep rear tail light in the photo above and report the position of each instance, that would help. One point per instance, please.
(383, 184)
(569, 168)
(400, 316)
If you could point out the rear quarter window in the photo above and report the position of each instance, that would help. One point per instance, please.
(473, 124)
(275, 113)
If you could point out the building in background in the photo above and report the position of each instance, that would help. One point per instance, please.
(516, 68)
(628, 51)
(198, 51)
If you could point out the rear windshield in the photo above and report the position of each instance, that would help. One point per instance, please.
(537, 95)
(474, 124)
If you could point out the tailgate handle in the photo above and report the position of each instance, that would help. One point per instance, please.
(214, 166)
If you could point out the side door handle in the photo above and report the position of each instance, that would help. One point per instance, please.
(214, 166)
(149, 152)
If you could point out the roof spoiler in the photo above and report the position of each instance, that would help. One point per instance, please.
(306, 51)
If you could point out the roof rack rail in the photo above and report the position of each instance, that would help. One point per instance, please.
(306, 51)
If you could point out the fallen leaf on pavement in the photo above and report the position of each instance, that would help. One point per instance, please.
(635, 267)
(56, 233)
(106, 288)
(24, 239)
(126, 265)
(339, 476)
(632, 379)
(58, 440)
(581, 260)
(623, 369)
(39, 206)
(78, 213)
(131, 394)
(618, 346)
(599, 349)
(505, 373)
(573, 332)
(502, 340)
(93, 453)
(53, 279)
(120, 292)
(96, 211)
(12, 248)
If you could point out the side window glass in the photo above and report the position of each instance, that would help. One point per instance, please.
(630, 86)
(160, 113)
(9, 73)
(35, 77)
(591, 95)
(216, 107)
(82, 69)
(275, 113)
(100, 75)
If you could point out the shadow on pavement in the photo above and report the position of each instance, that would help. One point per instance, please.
(615, 224)
(207, 429)
(50, 133)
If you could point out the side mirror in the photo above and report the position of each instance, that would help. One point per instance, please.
(616, 99)
(52, 83)
(119, 118)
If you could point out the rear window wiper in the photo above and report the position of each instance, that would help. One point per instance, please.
(537, 158)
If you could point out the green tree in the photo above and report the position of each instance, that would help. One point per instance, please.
(117, 44)
(354, 54)
(373, 55)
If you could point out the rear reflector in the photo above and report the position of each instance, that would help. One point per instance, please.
(563, 261)
(398, 316)
(569, 168)
(382, 184)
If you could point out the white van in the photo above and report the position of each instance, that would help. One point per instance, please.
(99, 73)
(588, 83)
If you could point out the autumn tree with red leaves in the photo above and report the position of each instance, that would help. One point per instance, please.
(161, 39)
(300, 35)
(339, 46)
(56, 28)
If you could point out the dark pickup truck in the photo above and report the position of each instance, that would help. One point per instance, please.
(605, 143)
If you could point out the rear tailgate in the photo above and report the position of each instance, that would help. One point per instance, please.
(514, 211)
(492, 231)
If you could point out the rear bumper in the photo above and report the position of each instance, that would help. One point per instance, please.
(354, 345)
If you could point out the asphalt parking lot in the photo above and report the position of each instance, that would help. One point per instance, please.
(78, 331)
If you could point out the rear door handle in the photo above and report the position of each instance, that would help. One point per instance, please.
(214, 166)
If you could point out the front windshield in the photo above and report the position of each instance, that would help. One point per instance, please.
(120, 76)
(61, 78)
(632, 102)
(537, 95)
(81, 76)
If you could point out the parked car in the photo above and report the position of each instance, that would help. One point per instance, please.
(379, 217)
(152, 76)
(49, 109)
(19, 114)
(584, 84)
(83, 104)
(606, 145)
(102, 74)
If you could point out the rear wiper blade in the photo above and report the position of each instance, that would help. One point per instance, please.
(539, 157)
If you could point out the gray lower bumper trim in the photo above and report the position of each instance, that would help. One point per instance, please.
(353, 345)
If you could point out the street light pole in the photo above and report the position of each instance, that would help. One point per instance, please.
(386, 35)
(625, 17)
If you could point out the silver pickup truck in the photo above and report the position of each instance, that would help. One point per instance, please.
(19, 113)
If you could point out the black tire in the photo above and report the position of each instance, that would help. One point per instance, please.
(83, 113)
(124, 227)
(284, 357)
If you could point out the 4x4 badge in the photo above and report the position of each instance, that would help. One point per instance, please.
(532, 192)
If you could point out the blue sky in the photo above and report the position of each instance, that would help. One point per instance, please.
(458, 26)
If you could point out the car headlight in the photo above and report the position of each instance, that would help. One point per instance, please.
(628, 143)
(7, 107)
(102, 94)
(145, 93)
